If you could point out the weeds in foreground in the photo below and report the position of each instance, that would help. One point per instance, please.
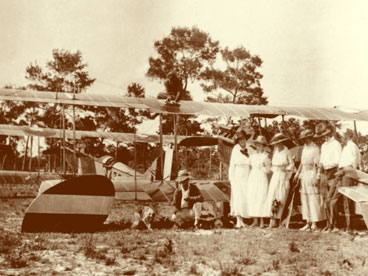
(17, 259)
(129, 272)
(293, 247)
(90, 251)
(230, 269)
(165, 255)
(248, 257)
(276, 264)
(9, 241)
(194, 269)
(39, 244)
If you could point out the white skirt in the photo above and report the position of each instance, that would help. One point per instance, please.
(312, 203)
(257, 193)
(278, 190)
(238, 205)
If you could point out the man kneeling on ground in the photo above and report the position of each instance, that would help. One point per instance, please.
(187, 200)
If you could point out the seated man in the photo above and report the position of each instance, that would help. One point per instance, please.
(187, 200)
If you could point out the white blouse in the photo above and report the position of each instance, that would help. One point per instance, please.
(310, 155)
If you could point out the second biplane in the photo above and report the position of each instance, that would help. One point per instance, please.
(187, 107)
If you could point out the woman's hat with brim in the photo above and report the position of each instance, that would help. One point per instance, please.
(306, 133)
(321, 130)
(241, 133)
(260, 140)
(183, 175)
(279, 138)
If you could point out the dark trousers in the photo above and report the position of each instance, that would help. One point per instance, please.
(329, 192)
(333, 206)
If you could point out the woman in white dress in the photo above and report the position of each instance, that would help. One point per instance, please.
(238, 175)
(312, 204)
(282, 166)
(258, 183)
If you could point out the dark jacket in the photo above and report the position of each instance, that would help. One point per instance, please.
(194, 196)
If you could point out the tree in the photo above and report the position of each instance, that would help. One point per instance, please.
(240, 78)
(135, 90)
(184, 51)
(66, 73)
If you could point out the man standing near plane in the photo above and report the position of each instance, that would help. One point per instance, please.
(350, 159)
(328, 165)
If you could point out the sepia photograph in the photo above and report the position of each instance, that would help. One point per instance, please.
(197, 137)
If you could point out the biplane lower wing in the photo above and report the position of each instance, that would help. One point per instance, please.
(359, 194)
(163, 191)
(357, 175)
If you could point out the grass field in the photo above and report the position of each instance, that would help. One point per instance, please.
(118, 250)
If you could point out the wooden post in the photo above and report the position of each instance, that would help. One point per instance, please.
(220, 170)
(25, 154)
(116, 151)
(355, 131)
(161, 150)
(176, 166)
(38, 155)
(135, 165)
(63, 142)
(30, 155)
(74, 145)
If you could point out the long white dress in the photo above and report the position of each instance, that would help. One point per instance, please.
(282, 164)
(238, 175)
(312, 204)
(258, 185)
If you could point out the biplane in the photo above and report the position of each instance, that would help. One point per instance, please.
(218, 191)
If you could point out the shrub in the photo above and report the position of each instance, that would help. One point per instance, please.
(230, 269)
(8, 241)
(17, 259)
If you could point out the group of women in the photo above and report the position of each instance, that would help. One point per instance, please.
(260, 181)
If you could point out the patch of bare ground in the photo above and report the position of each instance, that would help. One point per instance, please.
(118, 250)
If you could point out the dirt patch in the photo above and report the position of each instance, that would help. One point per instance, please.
(118, 250)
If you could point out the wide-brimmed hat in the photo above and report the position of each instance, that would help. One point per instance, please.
(241, 133)
(183, 175)
(260, 140)
(278, 138)
(306, 133)
(321, 130)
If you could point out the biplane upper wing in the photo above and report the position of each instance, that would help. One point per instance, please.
(14, 130)
(186, 107)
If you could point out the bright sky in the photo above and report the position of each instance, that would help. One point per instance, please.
(314, 52)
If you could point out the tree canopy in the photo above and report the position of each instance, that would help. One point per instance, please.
(240, 79)
(66, 72)
(185, 51)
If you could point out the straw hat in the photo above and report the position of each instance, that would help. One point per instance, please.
(306, 133)
(241, 133)
(183, 175)
(260, 140)
(278, 138)
(321, 130)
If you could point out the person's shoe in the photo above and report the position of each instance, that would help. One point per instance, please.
(348, 231)
(335, 230)
(272, 224)
(254, 224)
(326, 229)
(305, 228)
(314, 227)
